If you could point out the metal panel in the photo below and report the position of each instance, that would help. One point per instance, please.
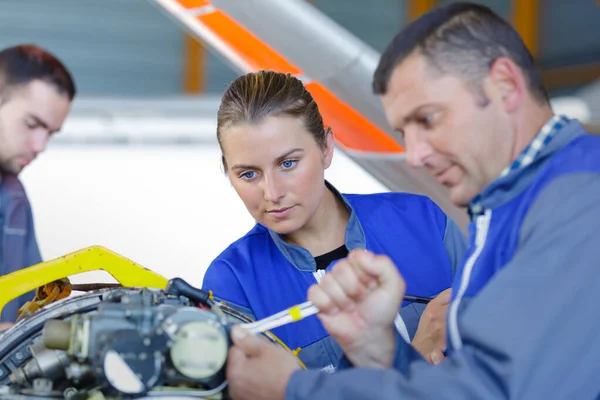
(220, 73)
(375, 22)
(569, 32)
(113, 47)
(502, 7)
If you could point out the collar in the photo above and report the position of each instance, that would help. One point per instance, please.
(554, 135)
(302, 259)
(534, 148)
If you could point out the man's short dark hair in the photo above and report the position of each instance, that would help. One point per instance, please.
(462, 39)
(20, 65)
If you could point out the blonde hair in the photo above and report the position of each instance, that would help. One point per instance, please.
(255, 96)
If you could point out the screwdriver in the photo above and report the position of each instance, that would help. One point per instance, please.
(301, 311)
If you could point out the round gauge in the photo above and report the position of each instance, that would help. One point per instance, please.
(200, 349)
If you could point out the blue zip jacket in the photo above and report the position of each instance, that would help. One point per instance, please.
(523, 322)
(260, 274)
(18, 245)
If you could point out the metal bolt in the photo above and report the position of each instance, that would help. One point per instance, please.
(42, 385)
(147, 342)
(19, 356)
(69, 393)
(143, 356)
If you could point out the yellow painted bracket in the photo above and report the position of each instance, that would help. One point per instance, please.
(94, 258)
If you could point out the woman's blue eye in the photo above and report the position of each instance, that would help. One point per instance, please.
(248, 175)
(288, 163)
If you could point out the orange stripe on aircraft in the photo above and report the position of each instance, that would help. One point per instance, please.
(194, 3)
(351, 129)
(256, 53)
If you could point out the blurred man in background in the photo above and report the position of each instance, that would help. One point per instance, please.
(36, 91)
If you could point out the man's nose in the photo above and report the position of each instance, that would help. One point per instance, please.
(39, 141)
(417, 149)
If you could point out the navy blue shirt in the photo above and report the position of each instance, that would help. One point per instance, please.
(18, 245)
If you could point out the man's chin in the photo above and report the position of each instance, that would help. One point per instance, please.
(459, 198)
(462, 196)
(11, 169)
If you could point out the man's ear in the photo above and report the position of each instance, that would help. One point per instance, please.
(510, 83)
(329, 148)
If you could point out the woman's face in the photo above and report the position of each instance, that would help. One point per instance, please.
(278, 170)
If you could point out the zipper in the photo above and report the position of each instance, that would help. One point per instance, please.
(482, 227)
(319, 274)
(401, 328)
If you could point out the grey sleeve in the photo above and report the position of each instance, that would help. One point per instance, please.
(455, 243)
(531, 333)
(23, 254)
(32, 251)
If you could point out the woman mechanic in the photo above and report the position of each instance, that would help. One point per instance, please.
(275, 150)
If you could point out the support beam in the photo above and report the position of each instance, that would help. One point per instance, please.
(525, 17)
(194, 65)
(571, 75)
(593, 129)
(415, 8)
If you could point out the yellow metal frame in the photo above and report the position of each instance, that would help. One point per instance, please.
(94, 258)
